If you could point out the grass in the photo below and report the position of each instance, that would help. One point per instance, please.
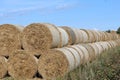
(105, 67)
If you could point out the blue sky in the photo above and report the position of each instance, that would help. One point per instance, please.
(83, 14)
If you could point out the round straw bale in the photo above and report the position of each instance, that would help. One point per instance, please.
(109, 45)
(85, 53)
(103, 36)
(106, 36)
(10, 39)
(84, 37)
(80, 33)
(98, 36)
(114, 44)
(76, 55)
(95, 35)
(64, 37)
(100, 48)
(90, 50)
(109, 37)
(70, 33)
(40, 36)
(96, 50)
(53, 64)
(70, 57)
(104, 44)
(76, 31)
(80, 53)
(100, 43)
(118, 42)
(22, 65)
(115, 36)
(3, 67)
(90, 35)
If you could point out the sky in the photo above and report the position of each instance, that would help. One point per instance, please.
(82, 14)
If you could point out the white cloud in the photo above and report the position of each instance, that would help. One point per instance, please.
(49, 6)
(96, 29)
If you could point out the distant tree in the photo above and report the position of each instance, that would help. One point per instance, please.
(118, 30)
(108, 31)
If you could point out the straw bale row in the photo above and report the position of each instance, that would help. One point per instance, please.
(44, 36)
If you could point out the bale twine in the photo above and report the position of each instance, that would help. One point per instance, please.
(84, 37)
(10, 39)
(70, 33)
(40, 36)
(54, 63)
(85, 53)
(90, 50)
(22, 65)
(3, 67)
(90, 35)
(64, 37)
(107, 38)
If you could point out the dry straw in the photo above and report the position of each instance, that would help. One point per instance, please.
(40, 36)
(52, 64)
(10, 38)
(3, 67)
(22, 65)
(70, 33)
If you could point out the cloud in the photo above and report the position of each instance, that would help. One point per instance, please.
(52, 7)
(96, 29)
